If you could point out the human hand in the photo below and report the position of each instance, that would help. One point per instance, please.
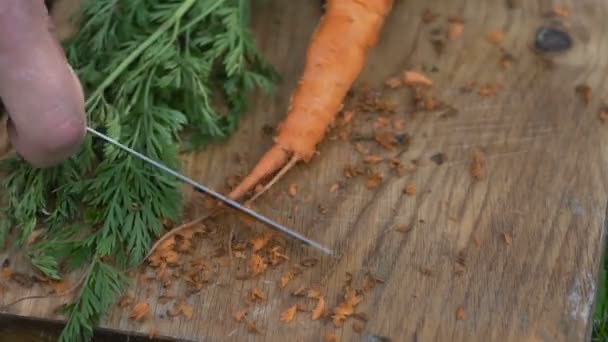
(43, 97)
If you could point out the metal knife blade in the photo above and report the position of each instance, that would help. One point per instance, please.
(212, 193)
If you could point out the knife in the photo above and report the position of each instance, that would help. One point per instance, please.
(214, 194)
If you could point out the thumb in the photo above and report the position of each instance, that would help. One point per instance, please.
(43, 97)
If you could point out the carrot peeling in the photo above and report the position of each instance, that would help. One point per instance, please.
(336, 56)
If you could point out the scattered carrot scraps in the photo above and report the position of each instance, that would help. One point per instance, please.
(182, 308)
(352, 297)
(386, 140)
(257, 264)
(247, 220)
(506, 60)
(260, 241)
(374, 179)
(399, 124)
(140, 311)
(560, 11)
(584, 92)
(489, 89)
(332, 338)
(495, 37)
(381, 122)
(361, 316)
(347, 117)
(478, 165)
(256, 295)
(410, 189)
(373, 159)
(153, 332)
(508, 238)
(289, 314)
(393, 83)
(423, 100)
(252, 328)
(309, 262)
(370, 281)
(460, 315)
(286, 278)
(59, 286)
(239, 254)
(346, 308)
(125, 301)
(603, 114)
(189, 233)
(277, 257)
(314, 294)
(319, 309)
(361, 149)
(7, 272)
(334, 187)
(455, 28)
(293, 189)
(351, 171)
(341, 312)
(404, 228)
(412, 78)
(239, 315)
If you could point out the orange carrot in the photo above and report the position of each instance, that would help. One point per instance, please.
(336, 56)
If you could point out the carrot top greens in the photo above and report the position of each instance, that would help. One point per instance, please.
(158, 74)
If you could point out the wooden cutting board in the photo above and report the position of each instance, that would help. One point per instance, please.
(513, 256)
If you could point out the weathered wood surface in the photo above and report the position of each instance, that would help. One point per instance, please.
(545, 187)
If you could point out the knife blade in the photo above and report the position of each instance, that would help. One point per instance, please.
(214, 194)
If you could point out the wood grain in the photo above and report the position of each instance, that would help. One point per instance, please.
(518, 250)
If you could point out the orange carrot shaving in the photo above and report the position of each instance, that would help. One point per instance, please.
(182, 308)
(348, 117)
(393, 82)
(374, 179)
(289, 314)
(293, 190)
(319, 309)
(334, 187)
(7, 272)
(478, 165)
(410, 189)
(495, 37)
(285, 279)
(373, 159)
(603, 114)
(386, 140)
(460, 315)
(313, 294)
(560, 11)
(140, 311)
(239, 315)
(381, 122)
(260, 241)
(257, 264)
(332, 338)
(508, 238)
(584, 92)
(252, 328)
(414, 78)
(256, 295)
(456, 28)
(336, 56)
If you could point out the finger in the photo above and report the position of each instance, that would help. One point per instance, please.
(43, 97)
